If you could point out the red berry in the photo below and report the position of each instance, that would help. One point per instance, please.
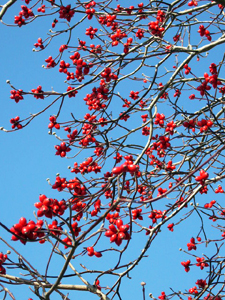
(117, 170)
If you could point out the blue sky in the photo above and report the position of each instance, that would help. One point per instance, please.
(28, 158)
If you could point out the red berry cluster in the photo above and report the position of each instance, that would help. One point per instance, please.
(124, 117)
(145, 131)
(19, 20)
(113, 217)
(155, 161)
(62, 149)
(16, 95)
(54, 23)
(26, 13)
(136, 214)
(170, 166)
(141, 189)
(91, 252)
(25, 231)
(170, 227)
(39, 44)
(202, 177)
(78, 206)
(63, 67)
(210, 205)
(162, 296)
(97, 97)
(16, 123)
(73, 184)
(213, 79)
(128, 166)
(201, 263)
(54, 228)
(134, 95)
(53, 123)
(108, 20)
(38, 93)
(161, 145)
(66, 12)
(193, 3)
(155, 28)
(140, 11)
(48, 207)
(90, 10)
(117, 36)
(201, 283)
(128, 103)
(3, 258)
(190, 124)
(76, 230)
(118, 157)
(60, 184)
(82, 68)
(203, 190)
(156, 214)
(41, 9)
(177, 93)
(129, 10)
(159, 119)
(219, 190)
(88, 138)
(140, 34)
(203, 88)
(192, 244)
(213, 68)
(118, 234)
(176, 38)
(161, 191)
(91, 32)
(193, 290)
(70, 76)
(96, 49)
(62, 48)
(108, 75)
(50, 62)
(160, 16)
(186, 265)
(72, 92)
(187, 69)
(127, 45)
(72, 135)
(204, 125)
(144, 118)
(204, 32)
(96, 209)
(86, 167)
(170, 127)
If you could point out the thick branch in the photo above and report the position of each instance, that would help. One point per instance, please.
(5, 7)
(90, 288)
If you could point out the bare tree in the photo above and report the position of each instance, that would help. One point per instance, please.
(153, 133)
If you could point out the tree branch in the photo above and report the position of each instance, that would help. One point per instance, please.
(220, 2)
(89, 288)
(5, 7)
